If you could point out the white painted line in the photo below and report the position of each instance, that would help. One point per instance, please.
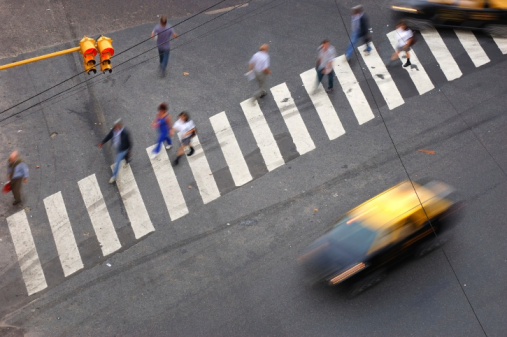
(168, 183)
(384, 81)
(501, 42)
(202, 173)
(292, 118)
(63, 235)
(352, 90)
(322, 104)
(444, 58)
(133, 202)
(28, 258)
(416, 71)
(472, 47)
(226, 9)
(263, 136)
(230, 148)
(99, 216)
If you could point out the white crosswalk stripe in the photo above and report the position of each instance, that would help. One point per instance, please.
(171, 192)
(28, 258)
(262, 134)
(99, 216)
(230, 148)
(384, 81)
(322, 104)
(133, 202)
(444, 58)
(62, 233)
(472, 47)
(416, 72)
(292, 118)
(352, 90)
(202, 173)
(501, 42)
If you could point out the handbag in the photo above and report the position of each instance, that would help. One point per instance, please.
(7, 187)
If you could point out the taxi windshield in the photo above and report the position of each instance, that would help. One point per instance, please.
(352, 236)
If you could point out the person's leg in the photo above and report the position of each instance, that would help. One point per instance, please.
(16, 184)
(320, 75)
(161, 56)
(165, 60)
(352, 45)
(119, 158)
(330, 78)
(168, 142)
(160, 140)
(261, 81)
(407, 53)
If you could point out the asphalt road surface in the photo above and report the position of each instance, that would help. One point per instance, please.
(209, 247)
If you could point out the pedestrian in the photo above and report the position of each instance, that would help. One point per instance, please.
(186, 130)
(326, 55)
(360, 30)
(163, 33)
(122, 144)
(259, 65)
(17, 173)
(163, 123)
(405, 40)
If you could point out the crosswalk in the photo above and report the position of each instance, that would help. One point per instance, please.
(95, 203)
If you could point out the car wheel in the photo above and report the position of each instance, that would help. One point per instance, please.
(367, 282)
(418, 24)
(497, 30)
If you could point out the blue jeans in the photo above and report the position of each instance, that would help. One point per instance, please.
(119, 158)
(161, 138)
(330, 77)
(354, 39)
(164, 58)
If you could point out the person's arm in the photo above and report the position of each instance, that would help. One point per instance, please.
(169, 121)
(106, 139)
(266, 71)
(175, 35)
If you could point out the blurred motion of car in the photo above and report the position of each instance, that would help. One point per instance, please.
(361, 246)
(487, 15)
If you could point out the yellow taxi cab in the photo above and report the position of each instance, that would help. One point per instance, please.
(488, 15)
(406, 220)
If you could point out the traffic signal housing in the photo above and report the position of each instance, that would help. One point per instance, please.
(106, 51)
(89, 52)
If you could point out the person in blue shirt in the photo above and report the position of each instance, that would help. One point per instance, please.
(163, 33)
(17, 173)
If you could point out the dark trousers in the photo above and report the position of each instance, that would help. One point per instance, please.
(16, 188)
(330, 77)
(164, 58)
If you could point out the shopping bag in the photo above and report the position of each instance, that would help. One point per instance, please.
(7, 187)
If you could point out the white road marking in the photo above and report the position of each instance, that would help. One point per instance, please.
(472, 47)
(501, 42)
(63, 234)
(322, 104)
(171, 192)
(226, 9)
(263, 136)
(99, 216)
(292, 118)
(444, 58)
(384, 81)
(352, 90)
(133, 202)
(416, 71)
(202, 173)
(230, 148)
(28, 258)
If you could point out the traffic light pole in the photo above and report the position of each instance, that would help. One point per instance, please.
(38, 58)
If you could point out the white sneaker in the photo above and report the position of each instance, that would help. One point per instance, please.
(153, 155)
(168, 147)
(125, 165)
(112, 180)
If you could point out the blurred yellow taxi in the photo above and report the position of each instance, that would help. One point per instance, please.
(405, 220)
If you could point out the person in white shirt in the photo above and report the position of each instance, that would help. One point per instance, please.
(259, 65)
(404, 35)
(186, 130)
(327, 53)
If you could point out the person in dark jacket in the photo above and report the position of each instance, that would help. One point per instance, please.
(360, 30)
(121, 143)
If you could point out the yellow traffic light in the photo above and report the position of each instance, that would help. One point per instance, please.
(89, 52)
(106, 52)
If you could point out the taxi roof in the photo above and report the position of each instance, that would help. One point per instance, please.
(399, 201)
